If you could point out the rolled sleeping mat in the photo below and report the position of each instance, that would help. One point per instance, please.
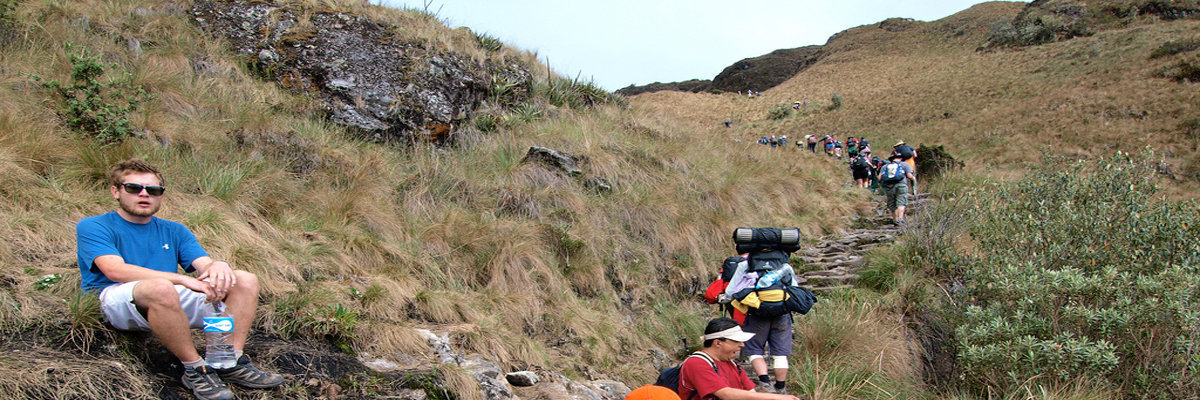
(766, 239)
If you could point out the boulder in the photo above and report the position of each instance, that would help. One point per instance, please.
(522, 378)
(554, 159)
(369, 78)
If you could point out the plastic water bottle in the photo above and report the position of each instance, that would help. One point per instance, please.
(770, 278)
(218, 332)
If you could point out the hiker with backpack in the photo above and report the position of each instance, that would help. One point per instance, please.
(812, 142)
(713, 373)
(909, 155)
(895, 177)
(851, 147)
(764, 287)
(860, 168)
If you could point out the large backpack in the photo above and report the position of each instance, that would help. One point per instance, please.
(767, 252)
(860, 163)
(670, 379)
(892, 172)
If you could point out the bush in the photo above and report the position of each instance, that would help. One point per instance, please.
(1172, 47)
(835, 102)
(92, 107)
(573, 93)
(779, 111)
(1078, 273)
(1187, 70)
(488, 42)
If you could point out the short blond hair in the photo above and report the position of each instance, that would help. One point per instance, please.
(116, 175)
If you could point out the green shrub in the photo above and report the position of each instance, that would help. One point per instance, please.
(835, 102)
(573, 93)
(779, 111)
(1172, 47)
(1186, 70)
(1078, 272)
(90, 106)
(487, 123)
(488, 42)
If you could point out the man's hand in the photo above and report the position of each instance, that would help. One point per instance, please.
(197, 286)
(219, 277)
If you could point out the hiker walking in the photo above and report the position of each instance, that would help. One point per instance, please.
(851, 147)
(758, 288)
(860, 168)
(895, 176)
(812, 142)
(909, 155)
(783, 141)
(712, 373)
(728, 122)
(130, 259)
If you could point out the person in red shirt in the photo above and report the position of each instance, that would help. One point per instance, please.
(715, 374)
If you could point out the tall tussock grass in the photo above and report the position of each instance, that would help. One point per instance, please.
(362, 243)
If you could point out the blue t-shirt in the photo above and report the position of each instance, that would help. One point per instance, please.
(160, 244)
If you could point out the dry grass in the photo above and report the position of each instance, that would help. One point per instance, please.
(40, 373)
(516, 262)
(1084, 97)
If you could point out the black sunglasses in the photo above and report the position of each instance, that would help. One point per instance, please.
(136, 188)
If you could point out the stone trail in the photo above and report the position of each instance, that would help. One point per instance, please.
(834, 263)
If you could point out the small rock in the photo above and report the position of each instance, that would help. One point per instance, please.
(522, 378)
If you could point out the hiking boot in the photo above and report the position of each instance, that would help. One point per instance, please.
(244, 374)
(206, 384)
(763, 387)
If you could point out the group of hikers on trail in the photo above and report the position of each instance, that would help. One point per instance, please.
(896, 176)
(759, 292)
(868, 171)
(773, 141)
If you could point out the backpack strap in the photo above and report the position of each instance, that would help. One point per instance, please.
(707, 359)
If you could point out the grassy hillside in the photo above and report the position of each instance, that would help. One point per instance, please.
(998, 109)
(1046, 278)
(356, 243)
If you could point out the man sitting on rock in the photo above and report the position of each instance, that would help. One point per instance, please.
(131, 259)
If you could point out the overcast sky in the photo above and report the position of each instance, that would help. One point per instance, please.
(616, 43)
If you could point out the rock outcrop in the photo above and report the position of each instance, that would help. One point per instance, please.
(369, 77)
(765, 71)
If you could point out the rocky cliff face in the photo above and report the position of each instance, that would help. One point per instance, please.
(369, 78)
(765, 71)
(755, 73)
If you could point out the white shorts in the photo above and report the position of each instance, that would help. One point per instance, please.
(116, 302)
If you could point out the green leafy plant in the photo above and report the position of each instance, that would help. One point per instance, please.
(1077, 273)
(92, 105)
(47, 281)
(488, 42)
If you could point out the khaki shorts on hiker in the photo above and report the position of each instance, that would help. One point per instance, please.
(116, 302)
(897, 195)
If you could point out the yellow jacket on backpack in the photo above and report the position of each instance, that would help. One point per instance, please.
(755, 299)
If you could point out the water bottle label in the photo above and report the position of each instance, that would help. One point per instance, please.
(218, 324)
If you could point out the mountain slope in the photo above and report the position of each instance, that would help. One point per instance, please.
(930, 83)
(360, 246)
